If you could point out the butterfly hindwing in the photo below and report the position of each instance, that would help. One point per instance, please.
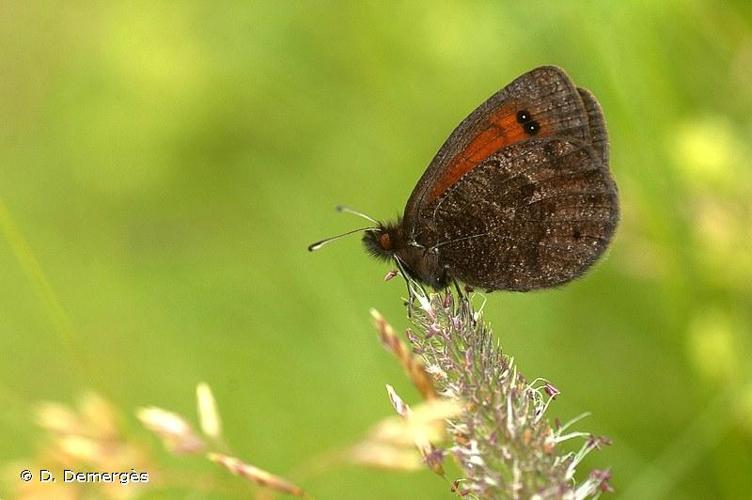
(532, 215)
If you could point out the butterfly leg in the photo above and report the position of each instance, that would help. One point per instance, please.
(410, 291)
(461, 291)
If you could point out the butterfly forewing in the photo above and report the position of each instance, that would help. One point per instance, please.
(541, 103)
(596, 124)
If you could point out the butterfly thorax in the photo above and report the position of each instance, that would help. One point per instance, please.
(420, 262)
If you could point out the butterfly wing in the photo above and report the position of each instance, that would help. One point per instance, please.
(596, 124)
(541, 103)
(533, 215)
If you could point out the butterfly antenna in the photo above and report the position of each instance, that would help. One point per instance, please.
(315, 246)
(348, 210)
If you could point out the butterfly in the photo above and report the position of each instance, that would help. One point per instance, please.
(519, 197)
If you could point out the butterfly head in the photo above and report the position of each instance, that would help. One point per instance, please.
(388, 242)
(384, 241)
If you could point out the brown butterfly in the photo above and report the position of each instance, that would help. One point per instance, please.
(519, 197)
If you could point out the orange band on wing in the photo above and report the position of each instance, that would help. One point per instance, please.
(502, 130)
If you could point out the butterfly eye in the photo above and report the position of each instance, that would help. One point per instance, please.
(385, 241)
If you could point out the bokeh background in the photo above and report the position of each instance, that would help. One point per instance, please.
(163, 166)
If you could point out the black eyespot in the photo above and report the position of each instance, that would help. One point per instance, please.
(577, 234)
(523, 116)
(532, 127)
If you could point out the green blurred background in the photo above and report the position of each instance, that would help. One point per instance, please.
(163, 166)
